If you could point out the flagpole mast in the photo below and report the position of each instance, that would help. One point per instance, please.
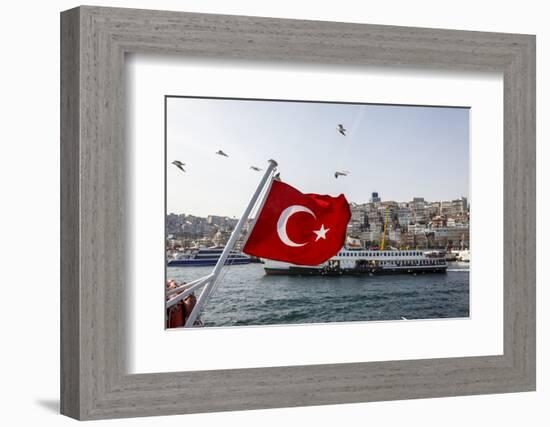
(205, 294)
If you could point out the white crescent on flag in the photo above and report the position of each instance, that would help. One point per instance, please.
(283, 219)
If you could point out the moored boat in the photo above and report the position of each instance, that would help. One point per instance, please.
(207, 257)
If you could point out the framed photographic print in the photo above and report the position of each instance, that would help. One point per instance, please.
(348, 211)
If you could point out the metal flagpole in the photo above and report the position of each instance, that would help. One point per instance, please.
(205, 294)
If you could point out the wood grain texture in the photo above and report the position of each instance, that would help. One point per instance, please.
(94, 382)
(70, 292)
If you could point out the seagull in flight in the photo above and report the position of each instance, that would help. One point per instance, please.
(255, 168)
(179, 165)
(340, 173)
(341, 129)
(221, 153)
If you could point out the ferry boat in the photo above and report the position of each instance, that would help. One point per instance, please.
(350, 261)
(207, 257)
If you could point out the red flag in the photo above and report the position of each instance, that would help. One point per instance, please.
(304, 229)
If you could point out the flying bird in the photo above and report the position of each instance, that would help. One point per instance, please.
(179, 165)
(221, 153)
(341, 129)
(255, 168)
(340, 173)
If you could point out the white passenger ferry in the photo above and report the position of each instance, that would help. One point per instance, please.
(352, 261)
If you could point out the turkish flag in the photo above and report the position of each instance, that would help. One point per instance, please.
(304, 229)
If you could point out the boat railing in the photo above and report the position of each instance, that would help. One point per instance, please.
(184, 290)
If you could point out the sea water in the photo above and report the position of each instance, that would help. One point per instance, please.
(246, 296)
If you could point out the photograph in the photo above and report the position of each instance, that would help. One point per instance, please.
(282, 212)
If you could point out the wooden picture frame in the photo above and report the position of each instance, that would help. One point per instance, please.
(94, 382)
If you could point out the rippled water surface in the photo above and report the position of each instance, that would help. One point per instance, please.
(246, 296)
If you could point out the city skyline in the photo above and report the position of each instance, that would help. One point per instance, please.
(401, 152)
(418, 222)
(350, 201)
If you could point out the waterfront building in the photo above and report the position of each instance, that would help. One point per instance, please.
(446, 207)
(375, 198)
(370, 236)
(354, 227)
(357, 214)
(405, 216)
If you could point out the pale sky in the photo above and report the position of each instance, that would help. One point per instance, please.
(400, 151)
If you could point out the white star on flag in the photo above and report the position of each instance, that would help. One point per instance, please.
(322, 232)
